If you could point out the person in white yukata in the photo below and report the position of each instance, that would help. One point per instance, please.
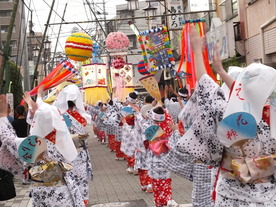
(235, 136)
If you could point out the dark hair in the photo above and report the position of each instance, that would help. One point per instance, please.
(20, 110)
(173, 98)
(183, 90)
(163, 100)
(71, 104)
(158, 110)
(133, 95)
(110, 103)
(149, 99)
(100, 104)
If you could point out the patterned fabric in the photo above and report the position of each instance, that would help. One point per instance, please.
(69, 194)
(9, 159)
(119, 153)
(210, 103)
(173, 109)
(82, 167)
(144, 177)
(78, 117)
(202, 186)
(130, 161)
(157, 169)
(165, 125)
(141, 160)
(101, 136)
(162, 191)
(111, 142)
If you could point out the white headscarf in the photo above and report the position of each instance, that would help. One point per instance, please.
(71, 93)
(255, 84)
(46, 119)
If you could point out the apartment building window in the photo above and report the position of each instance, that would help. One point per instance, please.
(5, 13)
(229, 9)
(234, 7)
(132, 41)
(5, 28)
(13, 43)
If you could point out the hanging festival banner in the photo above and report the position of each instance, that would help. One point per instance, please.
(94, 80)
(187, 55)
(122, 81)
(156, 49)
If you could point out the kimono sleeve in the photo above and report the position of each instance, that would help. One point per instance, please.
(201, 140)
(9, 159)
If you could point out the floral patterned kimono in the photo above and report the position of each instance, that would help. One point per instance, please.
(66, 194)
(161, 181)
(9, 159)
(82, 166)
(202, 143)
(186, 165)
(142, 151)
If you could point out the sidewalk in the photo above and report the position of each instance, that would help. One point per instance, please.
(112, 186)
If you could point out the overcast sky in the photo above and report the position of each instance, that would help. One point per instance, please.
(77, 10)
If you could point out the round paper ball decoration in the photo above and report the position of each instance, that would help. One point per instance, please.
(142, 68)
(118, 63)
(117, 42)
(79, 46)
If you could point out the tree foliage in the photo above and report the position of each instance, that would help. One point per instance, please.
(16, 83)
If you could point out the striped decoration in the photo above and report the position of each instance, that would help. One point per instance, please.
(141, 68)
(79, 46)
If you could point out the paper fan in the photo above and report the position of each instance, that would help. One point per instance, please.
(237, 127)
(153, 132)
(31, 148)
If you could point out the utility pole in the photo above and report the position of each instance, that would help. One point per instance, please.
(62, 19)
(7, 50)
(41, 46)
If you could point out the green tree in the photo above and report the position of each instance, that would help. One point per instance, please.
(16, 83)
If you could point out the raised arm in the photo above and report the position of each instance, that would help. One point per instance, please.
(197, 44)
(217, 65)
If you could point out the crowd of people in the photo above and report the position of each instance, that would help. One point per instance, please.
(225, 145)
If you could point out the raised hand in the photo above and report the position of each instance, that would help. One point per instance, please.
(217, 63)
(197, 42)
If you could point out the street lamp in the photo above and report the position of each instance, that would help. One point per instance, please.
(35, 51)
(132, 5)
(47, 44)
(150, 11)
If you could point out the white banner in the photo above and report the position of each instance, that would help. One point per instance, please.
(175, 21)
(199, 5)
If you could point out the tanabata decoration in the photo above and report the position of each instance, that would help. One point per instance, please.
(117, 44)
(142, 68)
(79, 46)
(122, 81)
(151, 85)
(95, 53)
(95, 83)
(187, 54)
(156, 49)
(62, 72)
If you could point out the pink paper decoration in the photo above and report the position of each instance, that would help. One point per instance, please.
(117, 42)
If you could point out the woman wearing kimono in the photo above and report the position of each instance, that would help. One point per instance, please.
(160, 175)
(129, 135)
(69, 102)
(48, 123)
(232, 135)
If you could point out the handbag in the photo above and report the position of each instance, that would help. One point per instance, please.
(7, 189)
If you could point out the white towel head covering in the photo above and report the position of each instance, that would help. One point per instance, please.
(255, 84)
(71, 93)
(46, 119)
